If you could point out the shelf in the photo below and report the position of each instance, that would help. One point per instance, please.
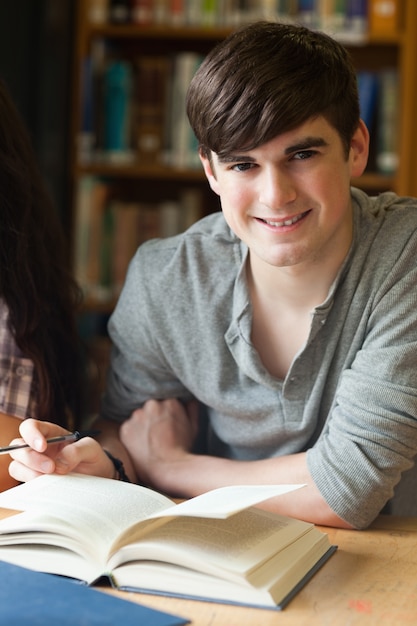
(132, 31)
(98, 305)
(372, 180)
(154, 172)
(369, 180)
(169, 33)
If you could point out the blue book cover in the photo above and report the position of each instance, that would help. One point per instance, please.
(29, 598)
(117, 109)
(368, 91)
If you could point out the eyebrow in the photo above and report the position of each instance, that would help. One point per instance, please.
(304, 144)
(232, 158)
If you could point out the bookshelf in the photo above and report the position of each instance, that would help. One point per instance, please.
(377, 42)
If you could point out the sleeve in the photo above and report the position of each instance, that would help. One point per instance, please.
(371, 435)
(138, 368)
(17, 389)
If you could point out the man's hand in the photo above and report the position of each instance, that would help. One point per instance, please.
(85, 456)
(158, 434)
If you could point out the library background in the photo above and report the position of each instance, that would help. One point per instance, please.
(101, 85)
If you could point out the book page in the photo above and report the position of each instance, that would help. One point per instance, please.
(232, 547)
(87, 508)
(225, 501)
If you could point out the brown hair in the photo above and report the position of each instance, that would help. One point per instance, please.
(268, 78)
(35, 279)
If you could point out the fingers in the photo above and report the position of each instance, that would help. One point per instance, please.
(22, 473)
(85, 457)
(31, 462)
(35, 433)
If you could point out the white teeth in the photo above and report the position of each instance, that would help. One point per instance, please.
(285, 222)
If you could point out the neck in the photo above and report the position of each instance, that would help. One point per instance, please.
(300, 287)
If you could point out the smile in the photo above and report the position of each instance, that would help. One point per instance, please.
(288, 222)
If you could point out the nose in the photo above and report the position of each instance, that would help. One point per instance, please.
(276, 188)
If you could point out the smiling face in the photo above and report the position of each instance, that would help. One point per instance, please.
(289, 199)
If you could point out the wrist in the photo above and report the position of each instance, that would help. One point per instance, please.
(119, 472)
(174, 476)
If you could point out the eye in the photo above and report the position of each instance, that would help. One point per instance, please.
(242, 167)
(303, 154)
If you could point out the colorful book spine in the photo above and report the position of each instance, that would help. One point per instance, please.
(368, 91)
(387, 130)
(181, 145)
(118, 111)
(86, 136)
(384, 17)
(346, 17)
(150, 96)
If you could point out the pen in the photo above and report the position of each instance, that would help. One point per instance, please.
(75, 436)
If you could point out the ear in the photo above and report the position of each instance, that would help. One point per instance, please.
(209, 172)
(359, 150)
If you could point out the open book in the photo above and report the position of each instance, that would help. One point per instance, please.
(217, 546)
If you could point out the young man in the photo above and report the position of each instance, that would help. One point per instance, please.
(290, 317)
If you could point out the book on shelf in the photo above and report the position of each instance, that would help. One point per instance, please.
(368, 96)
(180, 143)
(98, 11)
(126, 220)
(108, 230)
(91, 201)
(91, 137)
(357, 15)
(142, 12)
(119, 11)
(379, 103)
(347, 18)
(134, 108)
(150, 99)
(32, 598)
(384, 17)
(118, 111)
(86, 137)
(218, 546)
(387, 122)
(308, 13)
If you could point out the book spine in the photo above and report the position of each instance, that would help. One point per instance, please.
(332, 16)
(177, 12)
(81, 229)
(91, 202)
(191, 207)
(125, 241)
(152, 78)
(160, 12)
(86, 136)
(170, 218)
(119, 11)
(368, 90)
(181, 139)
(104, 290)
(109, 230)
(384, 16)
(142, 12)
(357, 19)
(387, 130)
(118, 112)
(307, 13)
(208, 15)
(98, 11)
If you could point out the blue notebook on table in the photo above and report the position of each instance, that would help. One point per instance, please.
(29, 598)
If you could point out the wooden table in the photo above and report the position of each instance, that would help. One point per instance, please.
(370, 580)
